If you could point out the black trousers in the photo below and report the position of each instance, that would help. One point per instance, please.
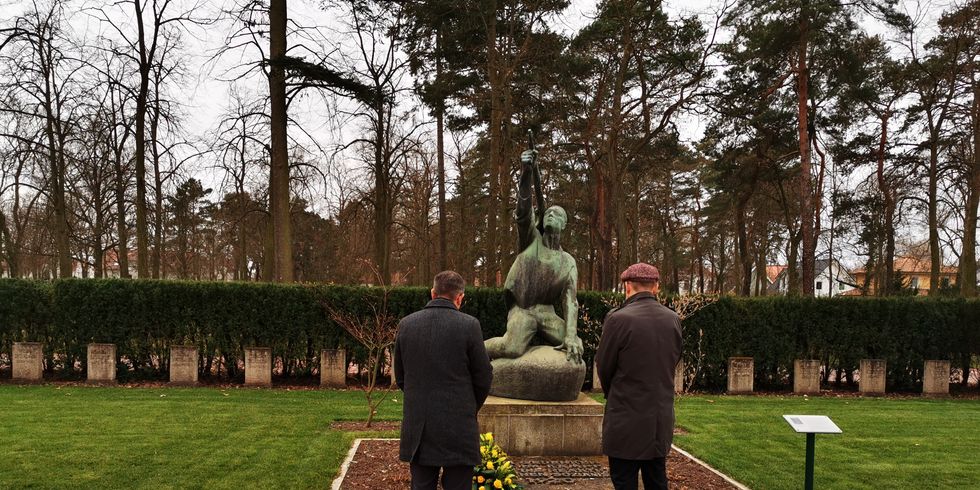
(624, 473)
(453, 477)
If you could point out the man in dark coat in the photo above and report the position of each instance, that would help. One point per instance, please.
(443, 369)
(636, 357)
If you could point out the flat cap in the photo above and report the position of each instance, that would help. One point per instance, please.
(640, 272)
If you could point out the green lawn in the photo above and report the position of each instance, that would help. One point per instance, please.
(61, 437)
(887, 443)
(92, 437)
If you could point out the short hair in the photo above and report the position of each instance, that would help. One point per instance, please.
(448, 283)
(643, 285)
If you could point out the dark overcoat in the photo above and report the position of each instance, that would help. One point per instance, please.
(443, 369)
(636, 357)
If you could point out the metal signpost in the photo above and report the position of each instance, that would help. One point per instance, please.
(811, 425)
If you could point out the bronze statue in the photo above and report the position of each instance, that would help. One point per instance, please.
(542, 278)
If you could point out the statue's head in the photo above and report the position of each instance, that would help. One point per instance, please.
(555, 219)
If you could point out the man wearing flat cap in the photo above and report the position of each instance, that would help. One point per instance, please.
(636, 357)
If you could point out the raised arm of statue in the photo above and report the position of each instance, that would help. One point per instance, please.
(527, 230)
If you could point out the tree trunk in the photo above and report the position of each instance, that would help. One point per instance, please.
(968, 258)
(804, 185)
(279, 168)
(142, 237)
(441, 159)
(885, 288)
(158, 185)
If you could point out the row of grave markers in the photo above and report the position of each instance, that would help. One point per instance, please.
(806, 376)
(101, 365)
(101, 368)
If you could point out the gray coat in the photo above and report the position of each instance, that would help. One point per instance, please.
(637, 354)
(443, 369)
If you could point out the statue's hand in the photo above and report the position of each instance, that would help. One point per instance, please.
(528, 157)
(573, 349)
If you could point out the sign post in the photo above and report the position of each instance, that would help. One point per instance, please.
(811, 425)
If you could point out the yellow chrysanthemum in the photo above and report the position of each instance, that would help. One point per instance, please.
(480, 479)
(489, 465)
(483, 487)
(497, 484)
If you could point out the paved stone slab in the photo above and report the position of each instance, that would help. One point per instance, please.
(258, 366)
(741, 374)
(28, 361)
(101, 363)
(183, 365)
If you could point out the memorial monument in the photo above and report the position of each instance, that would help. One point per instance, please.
(537, 407)
(540, 355)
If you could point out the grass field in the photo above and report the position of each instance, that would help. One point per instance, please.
(886, 443)
(78, 436)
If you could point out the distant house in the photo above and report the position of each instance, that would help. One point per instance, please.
(915, 272)
(830, 279)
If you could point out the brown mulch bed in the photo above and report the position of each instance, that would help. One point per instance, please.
(361, 426)
(376, 465)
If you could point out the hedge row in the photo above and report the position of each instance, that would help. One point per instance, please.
(143, 318)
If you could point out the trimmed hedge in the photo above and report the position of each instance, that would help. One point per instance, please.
(143, 318)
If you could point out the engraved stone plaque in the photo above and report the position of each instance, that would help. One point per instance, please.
(740, 374)
(806, 376)
(183, 364)
(101, 363)
(27, 361)
(258, 366)
(333, 368)
(872, 376)
(935, 378)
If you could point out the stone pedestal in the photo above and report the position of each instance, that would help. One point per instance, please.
(258, 366)
(531, 428)
(542, 373)
(741, 374)
(872, 379)
(183, 365)
(27, 360)
(101, 363)
(679, 377)
(806, 376)
(935, 378)
(333, 368)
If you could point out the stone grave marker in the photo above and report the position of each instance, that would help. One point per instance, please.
(258, 366)
(679, 377)
(333, 368)
(740, 374)
(27, 359)
(872, 376)
(935, 378)
(806, 376)
(183, 365)
(101, 363)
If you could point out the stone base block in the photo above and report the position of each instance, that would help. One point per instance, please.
(935, 378)
(542, 373)
(533, 428)
(27, 361)
(333, 368)
(100, 363)
(258, 366)
(741, 374)
(806, 376)
(872, 380)
(183, 365)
